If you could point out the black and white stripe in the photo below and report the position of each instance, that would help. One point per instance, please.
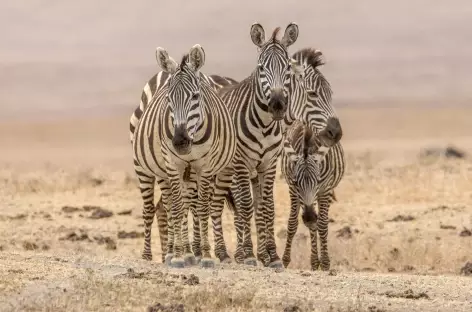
(313, 165)
(186, 126)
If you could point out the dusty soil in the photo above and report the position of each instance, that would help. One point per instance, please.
(71, 225)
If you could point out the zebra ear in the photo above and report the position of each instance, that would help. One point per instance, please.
(298, 70)
(165, 61)
(291, 35)
(257, 34)
(196, 57)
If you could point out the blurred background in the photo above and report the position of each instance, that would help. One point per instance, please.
(74, 57)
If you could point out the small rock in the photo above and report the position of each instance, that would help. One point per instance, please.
(101, 213)
(124, 212)
(467, 269)
(292, 308)
(191, 280)
(465, 233)
(169, 308)
(69, 209)
(402, 218)
(132, 234)
(344, 232)
(447, 227)
(27, 245)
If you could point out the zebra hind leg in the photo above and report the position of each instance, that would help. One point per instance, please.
(161, 216)
(221, 189)
(205, 188)
(292, 226)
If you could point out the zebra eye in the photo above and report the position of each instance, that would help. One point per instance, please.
(195, 96)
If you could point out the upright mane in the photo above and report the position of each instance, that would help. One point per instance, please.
(274, 34)
(311, 56)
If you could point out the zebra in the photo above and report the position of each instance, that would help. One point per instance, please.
(258, 105)
(150, 88)
(312, 170)
(186, 126)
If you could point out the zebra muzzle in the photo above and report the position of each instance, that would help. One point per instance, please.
(309, 215)
(277, 105)
(181, 141)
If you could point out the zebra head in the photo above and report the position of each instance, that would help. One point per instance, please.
(183, 96)
(305, 151)
(318, 111)
(274, 67)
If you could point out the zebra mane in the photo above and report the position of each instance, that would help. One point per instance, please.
(312, 56)
(184, 61)
(274, 34)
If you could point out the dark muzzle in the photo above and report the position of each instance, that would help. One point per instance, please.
(333, 132)
(309, 215)
(181, 141)
(277, 105)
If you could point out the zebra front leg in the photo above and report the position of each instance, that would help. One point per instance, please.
(250, 259)
(205, 185)
(176, 217)
(189, 203)
(221, 192)
(292, 226)
(146, 186)
(196, 243)
(323, 204)
(267, 186)
(310, 219)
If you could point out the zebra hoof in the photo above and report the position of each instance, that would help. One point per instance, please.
(190, 259)
(277, 264)
(226, 260)
(177, 263)
(147, 256)
(250, 261)
(198, 259)
(207, 263)
(168, 259)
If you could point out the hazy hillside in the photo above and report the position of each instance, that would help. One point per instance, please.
(61, 55)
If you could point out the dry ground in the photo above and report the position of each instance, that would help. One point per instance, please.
(58, 254)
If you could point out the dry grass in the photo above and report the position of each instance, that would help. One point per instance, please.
(46, 248)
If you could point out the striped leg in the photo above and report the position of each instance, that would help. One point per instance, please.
(146, 186)
(250, 259)
(176, 218)
(221, 191)
(161, 216)
(310, 219)
(267, 187)
(196, 243)
(292, 226)
(243, 200)
(324, 202)
(205, 185)
(189, 205)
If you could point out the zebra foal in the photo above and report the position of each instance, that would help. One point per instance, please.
(313, 165)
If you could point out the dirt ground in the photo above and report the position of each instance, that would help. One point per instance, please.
(71, 225)
(71, 73)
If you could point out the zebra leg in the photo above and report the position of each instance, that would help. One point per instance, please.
(205, 185)
(311, 222)
(241, 189)
(196, 243)
(146, 186)
(177, 214)
(248, 246)
(221, 191)
(267, 186)
(161, 217)
(324, 202)
(189, 257)
(292, 226)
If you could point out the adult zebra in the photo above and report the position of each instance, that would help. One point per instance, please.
(316, 112)
(258, 105)
(185, 126)
(312, 171)
(151, 87)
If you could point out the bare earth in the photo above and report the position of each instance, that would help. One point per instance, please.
(55, 256)
(71, 73)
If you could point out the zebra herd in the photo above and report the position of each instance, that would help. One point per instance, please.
(211, 140)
